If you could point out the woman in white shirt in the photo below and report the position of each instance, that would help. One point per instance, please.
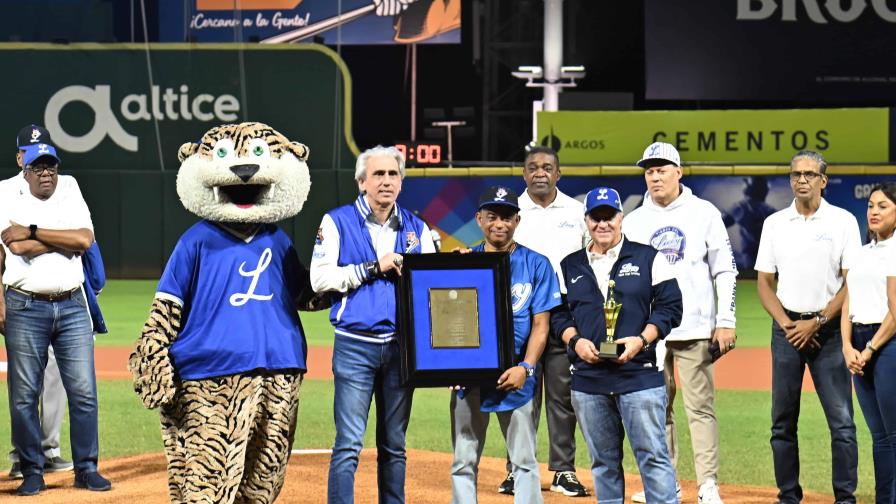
(867, 332)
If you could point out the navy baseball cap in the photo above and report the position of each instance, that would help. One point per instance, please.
(499, 195)
(602, 196)
(32, 135)
(35, 152)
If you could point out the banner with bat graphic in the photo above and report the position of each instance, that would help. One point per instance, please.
(327, 22)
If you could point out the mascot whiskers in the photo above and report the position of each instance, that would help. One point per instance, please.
(223, 351)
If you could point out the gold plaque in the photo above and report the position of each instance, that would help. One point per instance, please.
(454, 316)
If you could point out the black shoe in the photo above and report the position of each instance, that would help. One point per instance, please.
(565, 482)
(506, 487)
(32, 485)
(57, 464)
(15, 472)
(92, 481)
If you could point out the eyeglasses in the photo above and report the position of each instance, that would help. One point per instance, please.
(39, 168)
(810, 175)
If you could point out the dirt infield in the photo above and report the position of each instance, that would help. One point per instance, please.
(742, 369)
(142, 479)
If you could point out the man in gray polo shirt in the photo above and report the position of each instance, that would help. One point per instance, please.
(805, 245)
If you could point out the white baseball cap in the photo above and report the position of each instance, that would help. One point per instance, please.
(660, 150)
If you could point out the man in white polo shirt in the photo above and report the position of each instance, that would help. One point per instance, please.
(691, 235)
(551, 224)
(805, 245)
(44, 304)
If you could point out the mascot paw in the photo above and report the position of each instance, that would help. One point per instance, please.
(153, 378)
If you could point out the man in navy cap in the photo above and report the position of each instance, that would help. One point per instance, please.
(44, 303)
(625, 390)
(534, 292)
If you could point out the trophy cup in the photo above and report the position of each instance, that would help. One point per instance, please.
(609, 349)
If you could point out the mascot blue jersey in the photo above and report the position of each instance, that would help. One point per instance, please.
(230, 288)
(533, 289)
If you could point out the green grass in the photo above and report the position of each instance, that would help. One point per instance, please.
(127, 428)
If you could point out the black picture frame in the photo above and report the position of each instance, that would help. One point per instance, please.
(435, 367)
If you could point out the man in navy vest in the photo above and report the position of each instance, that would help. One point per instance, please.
(629, 390)
(357, 258)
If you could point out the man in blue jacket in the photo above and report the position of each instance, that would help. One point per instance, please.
(357, 259)
(534, 292)
(628, 391)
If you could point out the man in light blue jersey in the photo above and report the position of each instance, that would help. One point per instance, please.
(534, 292)
(357, 258)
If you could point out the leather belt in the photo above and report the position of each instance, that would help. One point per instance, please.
(59, 296)
(801, 316)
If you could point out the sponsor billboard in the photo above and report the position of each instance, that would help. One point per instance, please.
(105, 109)
(449, 204)
(859, 135)
(806, 51)
(324, 21)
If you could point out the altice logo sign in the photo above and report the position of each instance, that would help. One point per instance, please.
(167, 105)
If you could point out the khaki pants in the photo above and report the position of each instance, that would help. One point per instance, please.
(695, 371)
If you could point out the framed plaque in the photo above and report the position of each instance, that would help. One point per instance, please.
(454, 318)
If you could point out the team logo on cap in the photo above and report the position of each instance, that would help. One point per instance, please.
(500, 194)
(43, 149)
(411, 241)
(670, 241)
(35, 135)
(654, 149)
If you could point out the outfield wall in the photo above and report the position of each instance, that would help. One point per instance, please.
(138, 217)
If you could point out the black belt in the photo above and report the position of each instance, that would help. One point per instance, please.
(59, 296)
(792, 315)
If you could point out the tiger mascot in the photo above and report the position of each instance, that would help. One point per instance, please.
(223, 352)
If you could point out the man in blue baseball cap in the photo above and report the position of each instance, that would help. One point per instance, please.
(627, 388)
(45, 302)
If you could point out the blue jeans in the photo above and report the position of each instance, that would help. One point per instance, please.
(31, 327)
(643, 416)
(876, 392)
(832, 383)
(362, 370)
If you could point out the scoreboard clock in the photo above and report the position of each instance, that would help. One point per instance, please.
(420, 153)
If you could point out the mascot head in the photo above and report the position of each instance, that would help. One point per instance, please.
(243, 173)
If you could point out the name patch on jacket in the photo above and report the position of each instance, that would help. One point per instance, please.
(670, 241)
(411, 241)
(629, 269)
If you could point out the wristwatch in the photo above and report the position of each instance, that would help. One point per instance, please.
(869, 346)
(572, 342)
(530, 371)
(33, 235)
(372, 268)
(644, 341)
(821, 320)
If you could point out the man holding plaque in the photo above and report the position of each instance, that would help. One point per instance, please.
(624, 292)
(534, 292)
(551, 224)
(690, 233)
(357, 258)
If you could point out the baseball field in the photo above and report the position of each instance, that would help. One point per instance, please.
(131, 450)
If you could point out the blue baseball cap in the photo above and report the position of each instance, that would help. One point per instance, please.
(499, 195)
(602, 196)
(34, 152)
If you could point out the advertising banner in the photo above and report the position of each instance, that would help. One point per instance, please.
(855, 135)
(790, 50)
(125, 108)
(449, 204)
(324, 21)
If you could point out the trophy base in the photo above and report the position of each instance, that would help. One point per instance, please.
(609, 350)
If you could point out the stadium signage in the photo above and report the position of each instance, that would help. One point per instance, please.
(756, 10)
(718, 136)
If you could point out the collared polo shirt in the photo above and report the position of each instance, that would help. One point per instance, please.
(867, 281)
(807, 253)
(554, 231)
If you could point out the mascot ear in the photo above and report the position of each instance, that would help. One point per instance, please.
(299, 150)
(186, 150)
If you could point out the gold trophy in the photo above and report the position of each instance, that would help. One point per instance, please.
(609, 349)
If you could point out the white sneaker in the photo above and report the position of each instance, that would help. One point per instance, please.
(709, 493)
(642, 498)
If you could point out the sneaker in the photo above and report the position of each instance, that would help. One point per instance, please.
(31, 485)
(15, 472)
(506, 486)
(642, 498)
(92, 481)
(565, 482)
(709, 493)
(57, 464)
